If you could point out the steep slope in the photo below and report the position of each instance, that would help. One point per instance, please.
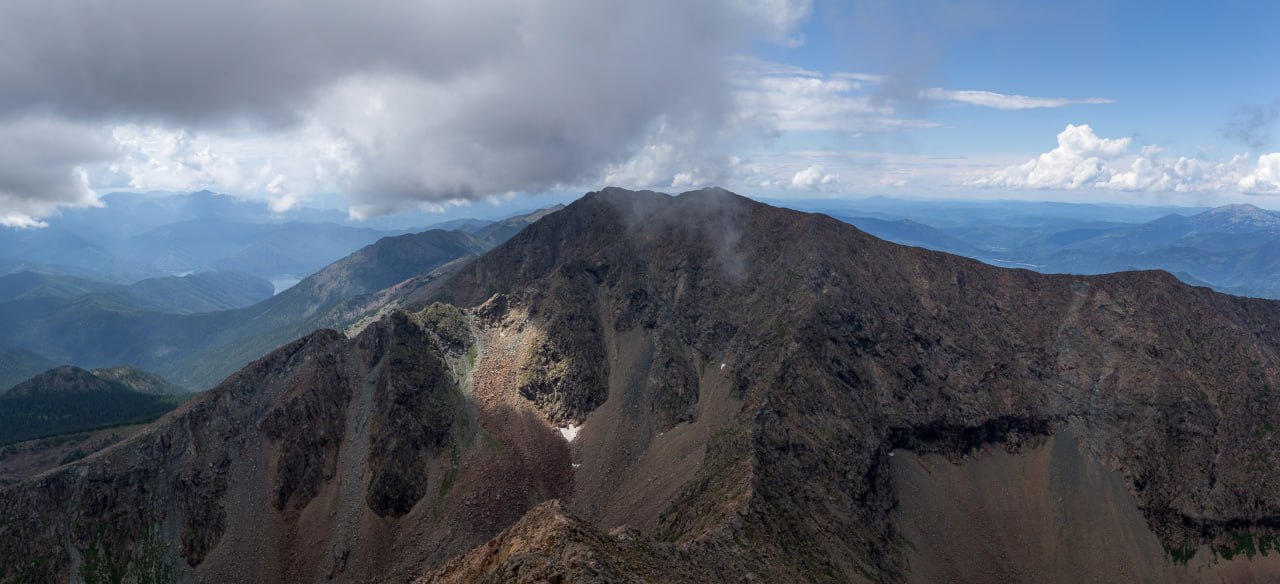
(69, 399)
(254, 331)
(391, 473)
(713, 389)
(845, 347)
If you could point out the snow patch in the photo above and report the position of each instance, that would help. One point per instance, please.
(722, 366)
(570, 432)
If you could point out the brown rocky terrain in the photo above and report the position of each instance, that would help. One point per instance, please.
(753, 394)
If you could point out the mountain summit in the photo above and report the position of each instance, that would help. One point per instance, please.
(709, 388)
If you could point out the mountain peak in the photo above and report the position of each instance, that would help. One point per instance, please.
(1237, 218)
(1237, 209)
(64, 379)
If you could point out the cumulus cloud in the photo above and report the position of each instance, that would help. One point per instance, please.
(1006, 102)
(1078, 161)
(1265, 178)
(422, 101)
(1084, 160)
(42, 167)
(813, 179)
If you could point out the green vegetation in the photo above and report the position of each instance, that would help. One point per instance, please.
(149, 563)
(68, 400)
(447, 322)
(98, 567)
(1248, 545)
(1180, 555)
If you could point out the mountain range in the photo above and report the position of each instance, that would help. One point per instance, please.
(698, 388)
(93, 324)
(1233, 248)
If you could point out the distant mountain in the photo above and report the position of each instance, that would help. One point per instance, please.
(200, 292)
(908, 232)
(70, 399)
(1236, 219)
(496, 232)
(203, 292)
(27, 285)
(251, 332)
(262, 249)
(133, 237)
(17, 365)
(1233, 248)
(199, 349)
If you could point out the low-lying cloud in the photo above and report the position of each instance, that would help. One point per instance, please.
(1083, 160)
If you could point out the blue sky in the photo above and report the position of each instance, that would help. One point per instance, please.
(399, 106)
(1177, 76)
(1177, 71)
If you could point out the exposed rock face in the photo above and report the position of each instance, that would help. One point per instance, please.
(846, 347)
(274, 440)
(738, 377)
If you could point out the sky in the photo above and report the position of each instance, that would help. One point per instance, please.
(390, 106)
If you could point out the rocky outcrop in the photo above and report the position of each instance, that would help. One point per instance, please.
(845, 347)
(277, 433)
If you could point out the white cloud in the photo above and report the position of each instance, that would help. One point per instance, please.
(1006, 102)
(284, 169)
(777, 98)
(1083, 160)
(1079, 161)
(814, 179)
(1266, 176)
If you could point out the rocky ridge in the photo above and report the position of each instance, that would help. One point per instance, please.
(738, 377)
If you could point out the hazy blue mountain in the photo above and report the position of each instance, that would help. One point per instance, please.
(26, 285)
(251, 332)
(1233, 248)
(908, 232)
(17, 365)
(201, 292)
(198, 349)
(951, 214)
(204, 292)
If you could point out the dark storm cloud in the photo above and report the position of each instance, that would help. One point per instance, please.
(430, 99)
(200, 60)
(40, 155)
